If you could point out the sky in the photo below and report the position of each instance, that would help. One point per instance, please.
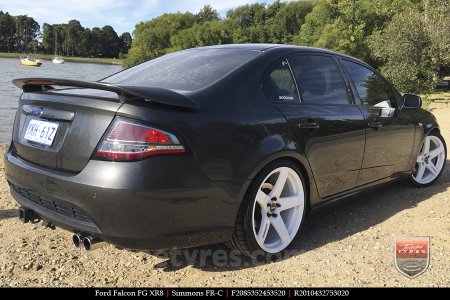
(122, 15)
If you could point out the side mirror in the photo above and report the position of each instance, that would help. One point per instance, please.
(411, 101)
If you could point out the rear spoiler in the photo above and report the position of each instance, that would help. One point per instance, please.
(125, 93)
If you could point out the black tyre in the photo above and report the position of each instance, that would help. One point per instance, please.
(430, 161)
(271, 215)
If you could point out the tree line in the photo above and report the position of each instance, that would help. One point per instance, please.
(23, 34)
(408, 40)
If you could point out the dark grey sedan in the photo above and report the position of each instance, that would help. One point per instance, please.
(228, 143)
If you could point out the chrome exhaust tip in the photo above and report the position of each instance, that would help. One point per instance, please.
(77, 240)
(91, 243)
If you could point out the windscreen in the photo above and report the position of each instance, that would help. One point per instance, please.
(187, 70)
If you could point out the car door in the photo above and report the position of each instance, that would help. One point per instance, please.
(313, 96)
(389, 133)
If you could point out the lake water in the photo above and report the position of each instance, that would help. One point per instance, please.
(10, 68)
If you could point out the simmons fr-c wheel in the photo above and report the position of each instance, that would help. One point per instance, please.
(273, 211)
(430, 161)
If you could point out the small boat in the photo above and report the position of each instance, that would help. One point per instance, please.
(58, 60)
(31, 61)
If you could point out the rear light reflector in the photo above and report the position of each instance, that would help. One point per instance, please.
(132, 141)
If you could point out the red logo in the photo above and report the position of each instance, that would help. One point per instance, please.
(412, 255)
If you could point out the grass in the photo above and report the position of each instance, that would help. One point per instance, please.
(429, 98)
(92, 60)
(440, 96)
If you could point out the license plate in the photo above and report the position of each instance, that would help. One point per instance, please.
(41, 132)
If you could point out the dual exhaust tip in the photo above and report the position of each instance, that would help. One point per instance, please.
(88, 242)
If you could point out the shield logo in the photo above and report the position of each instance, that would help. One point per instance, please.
(412, 255)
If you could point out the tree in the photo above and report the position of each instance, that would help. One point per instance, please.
(73, 31)
(86, 40)
(341, 37)
(436, 19)
(97, 44)
(152, 38)
(402, 47)
(287, 20)
(27, 30)
(60, 34)
(412, 52)
(414, 46)
(248, 23)
(22, 34)
(322, 14)
(7, 32)
(125, 42)
(48, 38)
(110, 41)
(205, 34)
(206, 14)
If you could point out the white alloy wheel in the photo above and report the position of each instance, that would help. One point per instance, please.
(278, 209)
(430, 161)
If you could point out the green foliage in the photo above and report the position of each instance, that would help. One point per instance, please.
(437, 27)
(255, 23)
(287, 20)
(406, 61)
(206, 14)
(346, 25)
(322, 14)
(22, 33)
(414, 46)
(152, 38)
(125, 43)
(7, 32)
(205, 34)
(248, 23)
(408, 40)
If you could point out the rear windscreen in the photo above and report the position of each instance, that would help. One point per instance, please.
(188, 70)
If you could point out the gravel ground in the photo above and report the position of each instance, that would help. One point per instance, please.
(350, 244)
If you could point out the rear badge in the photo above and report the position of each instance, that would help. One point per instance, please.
(412, 255)
(37, 111)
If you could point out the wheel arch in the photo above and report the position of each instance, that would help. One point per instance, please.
(299, 160)
(434, 129)
(424, 183)
(241, 239)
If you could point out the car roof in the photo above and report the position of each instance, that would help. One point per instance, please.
(254, 47)
(278, 48)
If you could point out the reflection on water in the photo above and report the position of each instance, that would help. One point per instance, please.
(10, 68)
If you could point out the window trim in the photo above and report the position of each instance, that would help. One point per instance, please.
(295, 81)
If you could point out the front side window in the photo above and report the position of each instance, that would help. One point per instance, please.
(372, 89)
(319, 80)
(279, 85)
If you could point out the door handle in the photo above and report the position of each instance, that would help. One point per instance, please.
(309, 125)
(375, 124)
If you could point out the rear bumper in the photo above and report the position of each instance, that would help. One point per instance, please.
(159, 203)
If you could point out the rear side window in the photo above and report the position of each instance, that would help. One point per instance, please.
(187, 70)
(371, 88)
(319, 80)
(278, 83)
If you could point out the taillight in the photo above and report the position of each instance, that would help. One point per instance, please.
(132, 141)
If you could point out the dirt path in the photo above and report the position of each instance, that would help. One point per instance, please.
(347, 245)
